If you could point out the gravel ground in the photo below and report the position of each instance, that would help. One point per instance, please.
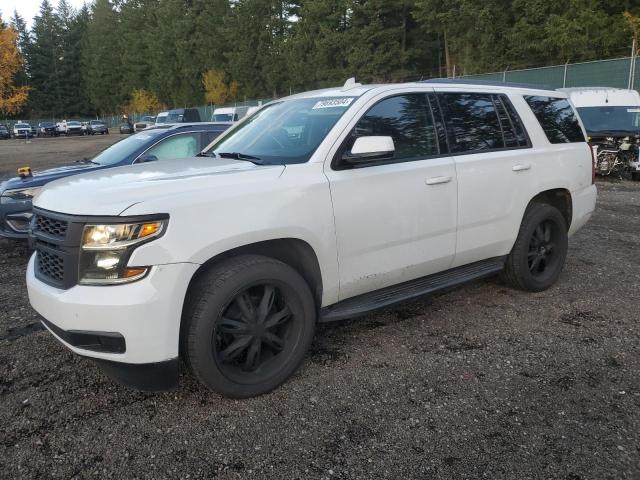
(40, 153)
(482, 382)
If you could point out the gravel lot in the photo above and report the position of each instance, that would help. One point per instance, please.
(40, 153)
(482, 382)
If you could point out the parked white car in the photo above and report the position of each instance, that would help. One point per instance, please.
(22, 129)
(322, 206)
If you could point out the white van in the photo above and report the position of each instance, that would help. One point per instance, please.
(229, 114)
(163, 117)
(611, 117)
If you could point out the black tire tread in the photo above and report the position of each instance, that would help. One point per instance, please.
(512, 273)
(204, 288)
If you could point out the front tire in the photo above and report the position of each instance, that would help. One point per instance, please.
(249, 323)
(635, 176)
(540, 251)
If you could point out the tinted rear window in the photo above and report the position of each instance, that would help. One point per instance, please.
(557, 118)
(472, 122)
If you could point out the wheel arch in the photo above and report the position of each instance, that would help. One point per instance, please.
(559, 198)
(296, 253)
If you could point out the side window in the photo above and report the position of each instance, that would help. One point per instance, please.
(405, 118)
(557, 118)
(517, 127)
(177, 146)
(208, 137)
(472, 122)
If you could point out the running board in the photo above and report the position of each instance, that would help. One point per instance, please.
(362, 304)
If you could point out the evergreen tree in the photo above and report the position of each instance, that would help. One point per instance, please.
(44, 55)
(135, 41)
(73, 27)
(101, 62)
(24, 41)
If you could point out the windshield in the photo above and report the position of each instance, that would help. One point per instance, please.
(610, 119)
(22, 125)
(222, 117)
(285, 132)
(73, 124)
(96, 122)
(119, 151)
(174, 118)
(161, 119)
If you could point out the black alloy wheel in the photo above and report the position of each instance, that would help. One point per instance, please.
(542, 254)
(252, 335)
(538, 255)
(248, 325)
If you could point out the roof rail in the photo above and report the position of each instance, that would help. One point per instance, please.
(488, 83)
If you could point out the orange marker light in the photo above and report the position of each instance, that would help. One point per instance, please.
(134, 272)
(149, 229)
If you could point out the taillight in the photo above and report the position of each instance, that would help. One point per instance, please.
(594, 156)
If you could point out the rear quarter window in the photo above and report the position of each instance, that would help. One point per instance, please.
(557, 118)
(472, 121)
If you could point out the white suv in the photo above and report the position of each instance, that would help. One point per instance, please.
(320, 206)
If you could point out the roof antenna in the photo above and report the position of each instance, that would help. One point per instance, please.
(350, 83)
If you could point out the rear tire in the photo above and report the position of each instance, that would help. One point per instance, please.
(540, 251)
(249, 322)
(635, 176)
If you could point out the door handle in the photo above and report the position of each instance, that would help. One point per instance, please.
(437, 180)
(521, 167)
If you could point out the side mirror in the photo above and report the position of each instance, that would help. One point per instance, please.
(367, 149)
(147, 158)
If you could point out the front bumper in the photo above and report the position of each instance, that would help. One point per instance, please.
(14, 218)
(146, 313)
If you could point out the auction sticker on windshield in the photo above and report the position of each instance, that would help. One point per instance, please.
(334, 102)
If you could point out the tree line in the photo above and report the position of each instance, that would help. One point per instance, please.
(100, 58)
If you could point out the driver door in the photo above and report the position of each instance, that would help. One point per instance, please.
(395, 219)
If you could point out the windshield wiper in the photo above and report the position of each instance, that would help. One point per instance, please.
(241, 156)
(206, 154)
(86, 160)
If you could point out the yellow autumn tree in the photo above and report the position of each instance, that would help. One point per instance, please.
(216, 90)
(143, 101)
(233, 89)
(12, 97)
(634, 24)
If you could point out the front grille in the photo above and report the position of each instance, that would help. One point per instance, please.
(55, 238)
(51, 226)
(51, 265)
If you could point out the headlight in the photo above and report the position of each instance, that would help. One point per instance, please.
(106, 249)
(21, 193)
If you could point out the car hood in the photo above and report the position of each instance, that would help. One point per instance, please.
(45, 176)
(112, 191)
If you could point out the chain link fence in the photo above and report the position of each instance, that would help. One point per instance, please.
(113, 121)
(616, 73)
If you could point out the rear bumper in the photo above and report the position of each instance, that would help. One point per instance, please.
(584, 204)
